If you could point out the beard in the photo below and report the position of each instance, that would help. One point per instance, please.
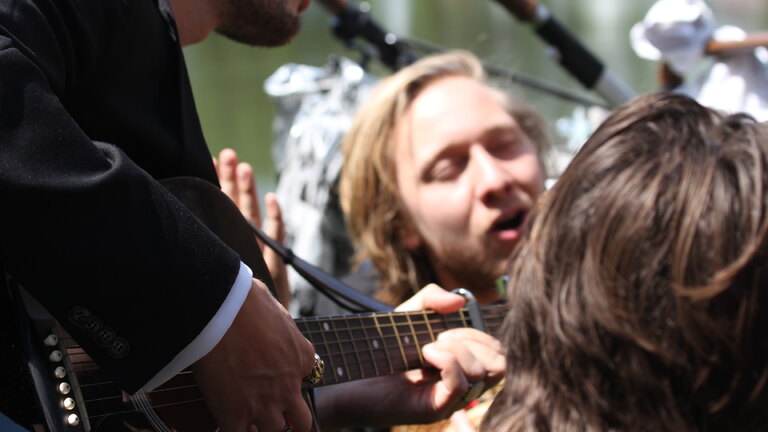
(267, 23)
(473, 268)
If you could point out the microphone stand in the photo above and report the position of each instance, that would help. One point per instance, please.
(353, 19)
(572, 54)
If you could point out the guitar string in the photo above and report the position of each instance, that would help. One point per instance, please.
(96, 416)
(497, 310)
(356, 351)
(310, 332)
(156, 391)
(388, 340)
(143, 404)
(326, 380)
(488, 313)
(386, 328)
(385, 337)
(366, 367)
(489, 323)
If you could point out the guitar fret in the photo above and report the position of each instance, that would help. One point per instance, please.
(382, 339)
(367, 345)
(397, 338)
(417, 343)
(370, 347)
(402, 325)
(344, 373)
(429, 327)
(422, 330)
(380, 343)
(463, 315)
(311, 330)
(408, 342)
(352, 341)
(362, 347)
(329, 357)
(443, 323)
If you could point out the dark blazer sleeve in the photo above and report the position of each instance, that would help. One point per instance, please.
(86, 230)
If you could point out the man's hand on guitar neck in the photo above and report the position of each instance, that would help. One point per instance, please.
(460, 357)
(464, 356)
(253, 376)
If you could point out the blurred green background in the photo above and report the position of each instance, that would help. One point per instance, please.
(227, 77)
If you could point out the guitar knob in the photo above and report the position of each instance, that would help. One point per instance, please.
(51, 340)
(73, 420)
(60, 372)
(64, 388)
(55, 356)
(68, 404)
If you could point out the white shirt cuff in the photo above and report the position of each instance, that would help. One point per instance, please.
(211, 334)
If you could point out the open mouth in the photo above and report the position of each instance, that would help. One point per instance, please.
(513, 223)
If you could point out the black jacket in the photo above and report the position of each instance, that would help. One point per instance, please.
(95, 105)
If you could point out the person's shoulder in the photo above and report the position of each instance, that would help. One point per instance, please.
(73, 13)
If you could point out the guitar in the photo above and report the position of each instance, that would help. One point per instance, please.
(76, 395)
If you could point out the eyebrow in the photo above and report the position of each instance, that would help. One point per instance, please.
(451, 147)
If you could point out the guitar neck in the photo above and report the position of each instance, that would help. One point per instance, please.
(375, 344)
(352, 346)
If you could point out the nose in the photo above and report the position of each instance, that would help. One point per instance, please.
(493, 180)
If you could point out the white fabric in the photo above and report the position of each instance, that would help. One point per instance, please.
(211, 334)
(315, 108)
(737, 83)
(677, 32)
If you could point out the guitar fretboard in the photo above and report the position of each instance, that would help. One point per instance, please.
(352, 347)
(369, 345)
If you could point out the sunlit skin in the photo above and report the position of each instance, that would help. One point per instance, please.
(468, 176)
(254, 22)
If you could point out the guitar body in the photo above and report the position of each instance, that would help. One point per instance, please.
(30, 392)
(73, 394)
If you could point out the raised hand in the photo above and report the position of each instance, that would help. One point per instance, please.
(238, 182)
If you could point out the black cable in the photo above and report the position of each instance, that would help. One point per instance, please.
(516, 77)
(394, 51)
(336, 290)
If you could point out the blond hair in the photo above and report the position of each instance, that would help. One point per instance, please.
(368, 188)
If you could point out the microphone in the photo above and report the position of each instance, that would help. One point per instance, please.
(352, 19)
(572, 55)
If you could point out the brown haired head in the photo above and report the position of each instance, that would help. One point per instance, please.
(368, 187)
(638, 296)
